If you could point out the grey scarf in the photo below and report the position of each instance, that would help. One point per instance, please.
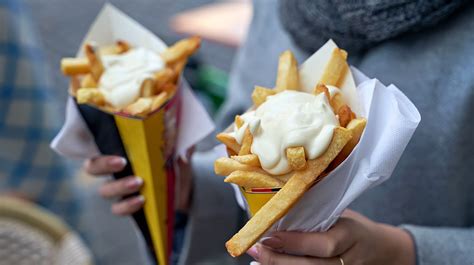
(358, 24)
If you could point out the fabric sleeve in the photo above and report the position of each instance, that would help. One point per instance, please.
(444, 245)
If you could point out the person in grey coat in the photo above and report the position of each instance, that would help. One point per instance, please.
(425, 213)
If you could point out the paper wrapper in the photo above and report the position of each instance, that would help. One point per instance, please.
(149, 144)
(392, 119)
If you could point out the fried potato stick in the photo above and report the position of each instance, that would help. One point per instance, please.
(250, 179)
(287, 75)
(88, 82)
(75, 66)
(140, 107)
(224, 166)
(260, 94)
(90, 96)
(283, 200)
(246, 143)
(181, 49)
(336, 68)
(158, 101)
(356, 126)
(296, 157)
(250, 159)
(229, 141)
(94, 60)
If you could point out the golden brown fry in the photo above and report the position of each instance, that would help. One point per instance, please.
(88, 82)
(229, 141)
(336, 102)
(335, 70)
(163, 77)
(90, 96)
(159, 100)
(250, 159)
(249, 179)
(118, 48)
(181, 49)
(321, 88)
(356, 126)
(231, 152)
(345, 115)
(75, 66)
(140, 107)
(224, 166)
(169, 88)
(246, 143)
(296, 157)
(147, 89)
(238, 121)
(287, 75)
(96, 67)
(260, 94)
(283, 200)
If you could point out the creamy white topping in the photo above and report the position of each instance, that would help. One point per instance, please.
(288, 119)
(124, 73)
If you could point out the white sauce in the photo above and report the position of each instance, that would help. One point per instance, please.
(288, 119)
(124, 73)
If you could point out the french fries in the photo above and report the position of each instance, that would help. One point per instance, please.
(250, 179)
(296, 157)
(85, 73)
(287, 76)
(75, 66)
(229, 141)
(250, 159)
(356, 126)
(224, 166)
(238, 121)
(289, 194)
(345, 115)
(335, 70)
(260, 94)
(320, 88)
(181, 49)
(246, 143)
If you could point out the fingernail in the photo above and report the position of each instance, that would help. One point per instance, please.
(255, 263)
(139, 200)
(253, 252)
(272, 242)
(117, 161)
(134, 182)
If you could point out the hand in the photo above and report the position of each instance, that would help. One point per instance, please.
(114, 189)
(354, 238)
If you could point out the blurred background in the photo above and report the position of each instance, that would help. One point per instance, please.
(55, 29)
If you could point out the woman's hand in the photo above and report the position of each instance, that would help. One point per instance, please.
(353, 240)
(114, 189)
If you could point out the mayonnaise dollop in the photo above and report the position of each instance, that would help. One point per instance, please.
(124, 73)
(288, 119)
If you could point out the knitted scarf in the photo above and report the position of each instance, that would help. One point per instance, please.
(358, 24)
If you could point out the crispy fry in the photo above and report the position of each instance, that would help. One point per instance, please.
(246, 143)
(250, 159)
(229, 141)
(249, 179)
(335, 70)
(118, 48)
(96, 67)
(231, 152)
(159, 100)
(296, 157)
(224, 166)
(90, 96)
(147, 89)
(238, 121)
(356, 126)
(260, 94)
(287, 75)
(336, 102)
(321, 88)
(181, 49)
(283, 200)
(345, 115)
(75, 66)
(141, 107)
(163, 77)
(169, 88)
(88, 82)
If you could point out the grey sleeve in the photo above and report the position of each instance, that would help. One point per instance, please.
(444, 245)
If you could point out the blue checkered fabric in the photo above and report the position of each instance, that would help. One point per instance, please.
(29, 118)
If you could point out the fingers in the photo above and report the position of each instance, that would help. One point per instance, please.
(328, 244)
(104, 165)
(266, 256)
(128, 206)
(120, 187)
